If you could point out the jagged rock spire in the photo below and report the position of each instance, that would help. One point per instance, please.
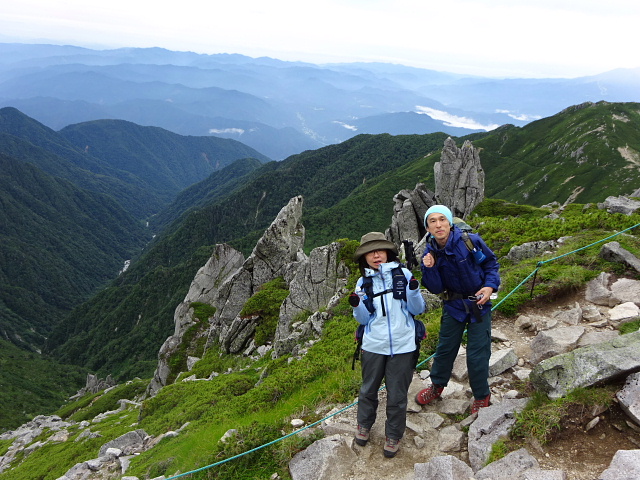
(459, 178)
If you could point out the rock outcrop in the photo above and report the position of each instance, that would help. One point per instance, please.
(315, 283)
(408, 214)
(588, 366)
(459, 178)
(621, 204)
(459, 184)
(224, 261)
(277, 254)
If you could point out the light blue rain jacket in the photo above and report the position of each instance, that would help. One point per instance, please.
(393, 333)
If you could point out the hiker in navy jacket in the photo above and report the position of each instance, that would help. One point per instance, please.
(389, 339)
(465, 280)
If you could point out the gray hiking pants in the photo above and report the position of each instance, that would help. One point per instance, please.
(397, 372)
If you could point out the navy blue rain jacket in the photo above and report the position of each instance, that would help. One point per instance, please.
(456, 271)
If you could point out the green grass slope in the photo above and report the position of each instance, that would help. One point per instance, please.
(591, 147)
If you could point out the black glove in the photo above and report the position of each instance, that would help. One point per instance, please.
(354, 300)
(413, 283)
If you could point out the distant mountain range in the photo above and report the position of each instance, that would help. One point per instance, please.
(278, 108)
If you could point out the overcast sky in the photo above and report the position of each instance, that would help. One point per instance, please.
(519, 38)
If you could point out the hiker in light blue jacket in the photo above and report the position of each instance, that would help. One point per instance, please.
(386, 299)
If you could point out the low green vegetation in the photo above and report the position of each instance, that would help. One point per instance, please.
(265, 304)
(629, 327)
(542, 417)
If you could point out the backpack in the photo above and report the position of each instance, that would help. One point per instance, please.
(465, 228)
(399, 285)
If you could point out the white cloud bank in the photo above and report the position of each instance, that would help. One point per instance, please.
(451, 120)
(234, 131)
(522, 116)
(346, 125)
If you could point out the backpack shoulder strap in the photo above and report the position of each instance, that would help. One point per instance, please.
(467, 241)
(367, 287)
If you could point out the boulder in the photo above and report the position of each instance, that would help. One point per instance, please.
(613, 252)
(587, 366)
(517, 253)
(625, 465)
(493, 423)
(629, 397)
(620, 204)
(323, 459)
(598, 291)
(624, 312)
(502, 360)
(549, 343)
(626, 290)
(129, 443)
(508, 467)
(445, 467)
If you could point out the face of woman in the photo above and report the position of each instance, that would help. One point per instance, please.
(375, 258)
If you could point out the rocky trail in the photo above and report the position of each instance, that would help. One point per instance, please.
(582, 449)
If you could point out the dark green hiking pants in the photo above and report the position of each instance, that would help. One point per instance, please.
(397, 372)
(478, 352)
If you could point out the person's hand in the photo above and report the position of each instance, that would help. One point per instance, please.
(428, 260)
(354, 300)
(483, 295)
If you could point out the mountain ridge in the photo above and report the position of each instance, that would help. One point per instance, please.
(298, 104)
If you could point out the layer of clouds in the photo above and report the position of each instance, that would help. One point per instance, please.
(234, 131)
(451, 120)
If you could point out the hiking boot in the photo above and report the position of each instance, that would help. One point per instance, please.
(478, 404)
(391, 446)
(429, 394)
(362, 436)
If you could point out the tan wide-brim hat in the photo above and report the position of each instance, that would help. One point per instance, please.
(374, 241)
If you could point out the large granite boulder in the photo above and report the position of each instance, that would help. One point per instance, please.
(588, 366)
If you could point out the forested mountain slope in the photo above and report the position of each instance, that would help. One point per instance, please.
(58, 245)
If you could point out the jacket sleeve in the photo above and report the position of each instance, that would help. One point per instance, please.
(415, 301)
(360, 313)
(490, 266)
(431, 279)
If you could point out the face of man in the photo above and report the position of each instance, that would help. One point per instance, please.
(439, 227)
(375, 258)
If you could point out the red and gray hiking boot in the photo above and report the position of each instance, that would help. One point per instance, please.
(362, 436)
(429, 394)
(391, 446)
(478, 404)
